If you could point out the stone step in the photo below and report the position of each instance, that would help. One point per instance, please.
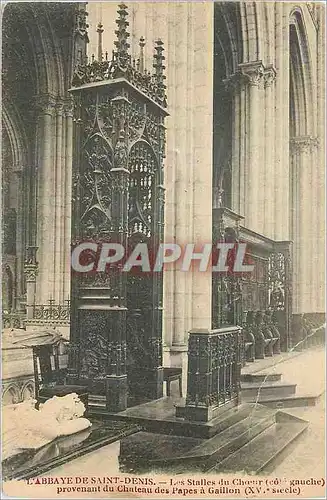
(251, 445)
(260, 377)
(174, 453)
(250, 390)
(223, 444)
(261, 453)
(159, 416)
(292, 401)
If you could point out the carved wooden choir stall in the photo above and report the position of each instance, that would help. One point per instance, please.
(118, 196)
(259, 301)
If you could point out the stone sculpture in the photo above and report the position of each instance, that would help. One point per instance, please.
(25, 428)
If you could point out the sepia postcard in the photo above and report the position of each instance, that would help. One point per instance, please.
(163, 249)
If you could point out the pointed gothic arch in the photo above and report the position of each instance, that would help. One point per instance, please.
(301, 92)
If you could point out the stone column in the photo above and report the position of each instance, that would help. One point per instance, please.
(67, 194)
(234, 86)
(268, 165)
(188, 172)
(199, 214)
(320, 192)
(281, 165)
(253, 75)
(248, 141)
(45, 234)
(59, 221)
(170, 201)
(238, 136)
(313, 229)
(20, 251)
(181, 193)
(202, 160)
(303, 155)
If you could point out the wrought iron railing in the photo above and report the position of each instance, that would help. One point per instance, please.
(214, 367)
(52, 311)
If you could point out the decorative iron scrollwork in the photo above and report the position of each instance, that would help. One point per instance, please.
(52, 311)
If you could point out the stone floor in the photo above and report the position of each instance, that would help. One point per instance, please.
(305, 459)
(308, 370)
(308, 458)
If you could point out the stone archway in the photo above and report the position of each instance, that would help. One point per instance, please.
(303, 165)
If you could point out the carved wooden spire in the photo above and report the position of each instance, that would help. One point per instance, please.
(141, 60)
(99, 67)
(121, 43)
(100, 31)
(159, 69)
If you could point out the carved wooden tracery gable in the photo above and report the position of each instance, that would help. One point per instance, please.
(95, 189)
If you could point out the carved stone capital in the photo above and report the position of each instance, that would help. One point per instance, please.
(68, 107)
(269, 75)
(45, 104)
(59, 107)
(19, 171)
(253, 72)
(234, 82)
(303, 144)
(31, 272)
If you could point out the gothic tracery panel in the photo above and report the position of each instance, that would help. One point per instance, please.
(142, 167)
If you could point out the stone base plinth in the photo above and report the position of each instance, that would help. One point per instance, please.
(146, 383)
(116, 393)
(203, 413)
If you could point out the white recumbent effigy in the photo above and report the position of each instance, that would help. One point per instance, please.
(24, 427)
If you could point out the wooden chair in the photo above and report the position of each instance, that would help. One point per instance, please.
(265, 334)
(248, 343)
(270, 325)
(49, 378)
(171, 374)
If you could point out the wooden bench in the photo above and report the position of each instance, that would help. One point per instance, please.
(171, 374)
